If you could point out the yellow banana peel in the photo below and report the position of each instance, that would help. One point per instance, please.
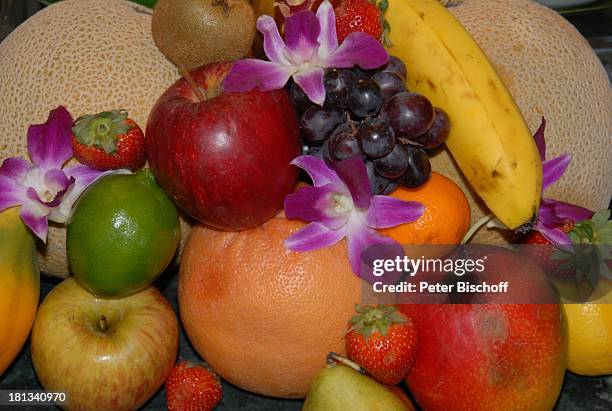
(489, 138)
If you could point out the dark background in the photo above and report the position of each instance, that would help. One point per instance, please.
(579, 393)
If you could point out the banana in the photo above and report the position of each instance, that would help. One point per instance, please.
(19, 285)
(489, 138)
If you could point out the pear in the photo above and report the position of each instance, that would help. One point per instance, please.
(338, 387)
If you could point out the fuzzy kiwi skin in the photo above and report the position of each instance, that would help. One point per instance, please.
(191, 33)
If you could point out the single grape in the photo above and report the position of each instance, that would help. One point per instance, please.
(378, 184)
(338, 83)
(390, 84)
(376, 139)
(365, 98)
(300, 100)
(409, 114)
(438, 133)
(395, 66)
(343, 144)
(394, 164)
(418, 170)
(317, 124)
(361, 74)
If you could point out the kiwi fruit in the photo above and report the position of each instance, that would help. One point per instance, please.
(191, 33)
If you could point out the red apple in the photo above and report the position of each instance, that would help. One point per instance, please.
(491, 356)
(223, 157)
(105, 354)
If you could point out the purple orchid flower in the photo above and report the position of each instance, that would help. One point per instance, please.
(43, 189)
(339, 205)
(310, 46)
(553, 213)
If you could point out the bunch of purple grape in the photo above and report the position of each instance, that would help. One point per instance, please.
(370, 114)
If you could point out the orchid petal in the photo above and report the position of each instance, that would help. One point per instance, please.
(555, 235)
(311, 204)
(35, 217)
(566, 211)
(275, 48)
(360, 238)
(49, 144)
(247, 74)
(311, 82)
(301, 33)
(34, 196)
(83, 177)
(547, 215)
(12, 193)
(328, 39)
(56, 180)
(353, 173)
(312, 237)
(539, 139)
(15, 168)
(552, 170)
(319, 172)
(385, 212)
(86, 176)
(358, 49)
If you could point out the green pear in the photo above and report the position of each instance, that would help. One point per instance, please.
(340, 388)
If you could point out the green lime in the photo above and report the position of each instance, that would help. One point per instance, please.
(122, 235)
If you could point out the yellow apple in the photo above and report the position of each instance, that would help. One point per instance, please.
(104, 354)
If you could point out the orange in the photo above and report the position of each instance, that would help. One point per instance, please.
(262, 316)
(446, 218)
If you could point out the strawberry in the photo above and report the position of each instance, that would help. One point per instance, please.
(542, 253)
(383, 341)
(358, 16)
(108, 141)
(584, 257)
(192, 387)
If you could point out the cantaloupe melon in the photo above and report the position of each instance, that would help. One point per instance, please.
(88, 55)
(551, 71)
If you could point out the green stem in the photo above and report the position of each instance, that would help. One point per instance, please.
(484, 220)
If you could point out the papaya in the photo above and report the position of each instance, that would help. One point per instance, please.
(19, 285)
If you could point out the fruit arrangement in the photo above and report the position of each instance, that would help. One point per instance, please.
(289, 160)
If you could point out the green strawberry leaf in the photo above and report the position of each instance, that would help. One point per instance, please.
(601, 218)
(591, 252)
(579, 275)
(375, 319)
(560, 255)
(574, 236)
(382, 328)
(604, 270)
(383, 5)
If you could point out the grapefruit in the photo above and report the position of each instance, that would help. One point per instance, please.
(262, 316)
